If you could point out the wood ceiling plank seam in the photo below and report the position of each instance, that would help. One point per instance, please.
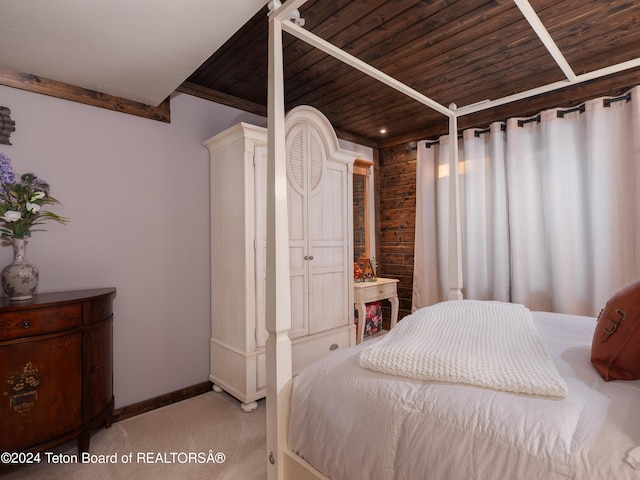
(324, 86)
(388, 24)
(305, 62)
(385, 106)
(327, 72)
(433, 92)
(572, 34)
(241, 73)
(351, 85)
(234, 61)
(504, 84)
(629, 54)
(466, 64)
(531, 106)
(330, 24)
(610, 47)
(597, 62)
(388, 18)
(560, 22)
(443, 35)
(423, 120)
(334, 37)
(424, 36)
(232, 81)
(365, 68)
(235, 66)
(420, 120)
(552, 86)
(505, 76)
(507, 81)
(446, 48)
(568, 39)
(384, 102)
(603, 87)
(543, 34)
(381, 120)
(475, 124)
(319, 82)
(237, 70)
(335, 96)
(561, 16)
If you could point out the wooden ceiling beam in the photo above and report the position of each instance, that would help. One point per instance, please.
(222, 98)
(36, 84)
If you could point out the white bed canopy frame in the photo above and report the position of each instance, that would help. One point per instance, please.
(282, 463)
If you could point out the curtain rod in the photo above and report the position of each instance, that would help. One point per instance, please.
(560, 114)
(608, 101)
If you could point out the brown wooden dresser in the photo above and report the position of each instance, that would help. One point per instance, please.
(56, 369)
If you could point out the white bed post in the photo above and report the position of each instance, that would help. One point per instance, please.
(278, 289)
(455, 243)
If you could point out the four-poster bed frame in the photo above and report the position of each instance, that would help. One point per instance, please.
(283, 463)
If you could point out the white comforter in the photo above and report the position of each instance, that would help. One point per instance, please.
(352, 423)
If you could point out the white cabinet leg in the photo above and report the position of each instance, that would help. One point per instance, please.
(249, 407)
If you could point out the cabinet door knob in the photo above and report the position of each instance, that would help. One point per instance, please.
(26, 324)
(95, 369)
(308, 257)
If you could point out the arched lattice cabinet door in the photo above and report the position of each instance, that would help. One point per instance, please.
(320, 196)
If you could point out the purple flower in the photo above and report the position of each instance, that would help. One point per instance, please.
(6, 170)
(21, 201)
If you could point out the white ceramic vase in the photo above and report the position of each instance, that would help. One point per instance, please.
(19, 278)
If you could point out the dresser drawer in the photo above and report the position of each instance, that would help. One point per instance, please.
(101, 308)
(27, 323)
(306, 350)
(376, 292)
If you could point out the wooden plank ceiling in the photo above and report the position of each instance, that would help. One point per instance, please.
(453, 51)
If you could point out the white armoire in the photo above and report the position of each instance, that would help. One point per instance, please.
(320, 176)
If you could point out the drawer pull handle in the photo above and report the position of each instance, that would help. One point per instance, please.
(26, 324)
(333, 346)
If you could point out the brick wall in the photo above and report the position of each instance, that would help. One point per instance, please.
(396, 212)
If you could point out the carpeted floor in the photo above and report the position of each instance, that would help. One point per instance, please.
(157, 445)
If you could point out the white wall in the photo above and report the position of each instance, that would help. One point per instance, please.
(366, 153)
(137, 194)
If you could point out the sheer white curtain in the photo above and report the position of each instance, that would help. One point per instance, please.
(574, 205)
(550, 209)
(429, 271)
(483, 211)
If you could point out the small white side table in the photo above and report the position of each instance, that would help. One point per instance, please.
(367, 292)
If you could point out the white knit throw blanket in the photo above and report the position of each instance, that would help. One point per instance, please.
(484, 343)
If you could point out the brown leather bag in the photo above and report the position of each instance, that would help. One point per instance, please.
(615, 350)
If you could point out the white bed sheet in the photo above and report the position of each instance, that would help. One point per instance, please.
(352, 423)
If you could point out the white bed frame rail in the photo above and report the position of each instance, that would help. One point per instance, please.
(283, 463)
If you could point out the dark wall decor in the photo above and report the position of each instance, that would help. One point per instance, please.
(7, 126)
